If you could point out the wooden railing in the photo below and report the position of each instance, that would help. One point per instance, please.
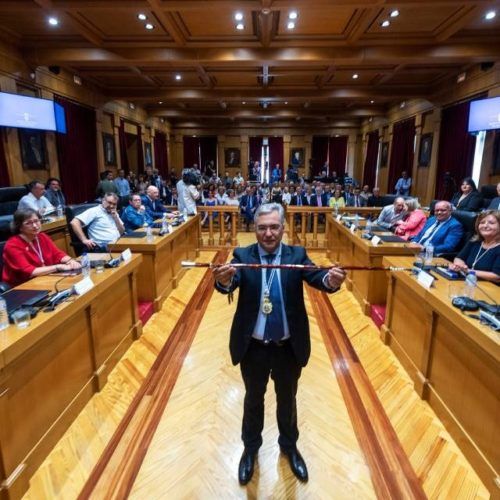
(222, 211)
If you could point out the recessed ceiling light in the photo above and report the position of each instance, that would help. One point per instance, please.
(53, 21)
(286, 102)
(142, 16)
(160, 102)
(238, 16)
(293, 15)
(149, 26)
(372, 102)
(385, 23)
(240, 26)
(490, 15)
(178, 77)
(395, 13)
(290, 25)
(244, 102)
(355, 76)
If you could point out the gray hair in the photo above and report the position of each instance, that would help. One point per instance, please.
(267, 208)
(412, 204)
(107, 195)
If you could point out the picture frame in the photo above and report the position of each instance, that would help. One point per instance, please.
(425, 151)
(384, 154)
(148, 156)
(297, 157)
(109, 150)
(232, 157)
(33, 149)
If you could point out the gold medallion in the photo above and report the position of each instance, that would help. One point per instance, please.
(267, 305)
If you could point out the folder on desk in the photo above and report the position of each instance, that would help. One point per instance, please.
(23, 298)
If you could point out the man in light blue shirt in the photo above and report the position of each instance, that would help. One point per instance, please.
(122, 184)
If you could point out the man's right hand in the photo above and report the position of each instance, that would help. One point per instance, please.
(90, 244)
(224, 274)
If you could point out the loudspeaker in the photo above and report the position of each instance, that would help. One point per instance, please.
(55, 69)
(485, 66)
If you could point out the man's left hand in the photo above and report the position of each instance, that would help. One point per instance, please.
(335, 277)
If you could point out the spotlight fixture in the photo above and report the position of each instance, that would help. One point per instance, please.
(372, 102)
(131, 105)
(238, 16)
(160, 102)
(243, 102)
(355, 76)
(149, 26)
(53, 21)
(293, 15)
(402, 105)
(286, 102)
(385, 23)
(490, 15)
(240, 26)
(395, 13)
(290, 25)
(178, 77)
(142, 17)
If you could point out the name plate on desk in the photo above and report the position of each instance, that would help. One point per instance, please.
(84, 286)
(353, 228)
(425, 279)
(375, 240)
(126, 255)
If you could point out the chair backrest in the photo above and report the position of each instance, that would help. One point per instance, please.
(71, 212)
(9, 198)
(489, 192)
(468, 221)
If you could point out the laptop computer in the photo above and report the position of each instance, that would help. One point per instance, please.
(23, 298)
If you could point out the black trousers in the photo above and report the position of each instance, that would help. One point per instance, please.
(259, 363)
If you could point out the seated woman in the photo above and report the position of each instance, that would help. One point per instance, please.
(30, 252)
(337, 200)
(482, 252)
(413, 221)
(469, 199)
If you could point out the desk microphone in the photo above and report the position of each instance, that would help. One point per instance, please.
(57, 298)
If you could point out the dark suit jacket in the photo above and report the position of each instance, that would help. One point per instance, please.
(154, 209)
(350, 201)
(250, 284)
(293, 200)
(314, 201)
(494, 204)
(473, 202)
(375, 201)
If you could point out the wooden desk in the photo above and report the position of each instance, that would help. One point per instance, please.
(50, 370)
(454, 362)
(369, 287)
(161, 270)
(57, 230)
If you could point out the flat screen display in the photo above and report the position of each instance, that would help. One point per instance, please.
(60, 118)
(484, 114)
(26, 112)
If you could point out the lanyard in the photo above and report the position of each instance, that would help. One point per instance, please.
(480, 255)
(38, 251)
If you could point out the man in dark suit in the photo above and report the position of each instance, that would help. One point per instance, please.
(318, 199)
(248, 205)
(270, 332)
(355, 199)
(152, 203)
(298, 199)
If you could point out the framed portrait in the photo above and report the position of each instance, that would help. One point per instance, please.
(424, 154)
(148, 157)
(232, 157)
(384, 154)
(297, 156)
(108, 145)
(33, 149)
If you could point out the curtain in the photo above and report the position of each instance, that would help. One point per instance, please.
(276, 154)
(456, 150)
(208, 151)
(403, 144)
(255, 149)
(140, 150)
(77, 152)
(337, 154)
(4, 171)
(161, 153)
(191, 151)
(370, 168)
(122, 139)
(319, 153)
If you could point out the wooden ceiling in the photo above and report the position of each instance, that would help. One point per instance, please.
(265, 71)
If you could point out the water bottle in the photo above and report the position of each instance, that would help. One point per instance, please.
(60, 211)
(429, 254)
(336, 208)
(4, 315)
(85, 262)
(356, 221)
(149, 235)
(470, 284)
(368, 227)
(164, 225)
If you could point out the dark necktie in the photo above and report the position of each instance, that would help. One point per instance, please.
(274, 329)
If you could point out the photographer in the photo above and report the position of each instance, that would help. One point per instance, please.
(190, 194)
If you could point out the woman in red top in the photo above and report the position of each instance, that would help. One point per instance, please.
(31, 253)
(413, 222)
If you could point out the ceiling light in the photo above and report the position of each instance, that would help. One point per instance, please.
(238, 16)
(293, 15)
(244, 102)
(149, 26)
(372, 102)
(490, 15)
(240, 26)
(178, 77)
(395, 13)
(286, 102)
(402, 105)
(160, 102)
(53, 21)
(290, 25)
(355, 76)
(385, 23)
(142, 17)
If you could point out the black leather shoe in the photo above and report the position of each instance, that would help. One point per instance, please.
(297, 464)
(245, 469)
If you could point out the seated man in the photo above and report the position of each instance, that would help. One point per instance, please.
(355, 199)
(134, 216)
(248, 205)
(103, 224)
(35, 200)
(152, 203)
(53, 192)
(442, 231)
(391, 214)
(375, 200)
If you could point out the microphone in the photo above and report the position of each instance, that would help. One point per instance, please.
(58, 297)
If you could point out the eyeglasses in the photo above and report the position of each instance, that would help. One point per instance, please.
(32, 222)
(274, 228)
